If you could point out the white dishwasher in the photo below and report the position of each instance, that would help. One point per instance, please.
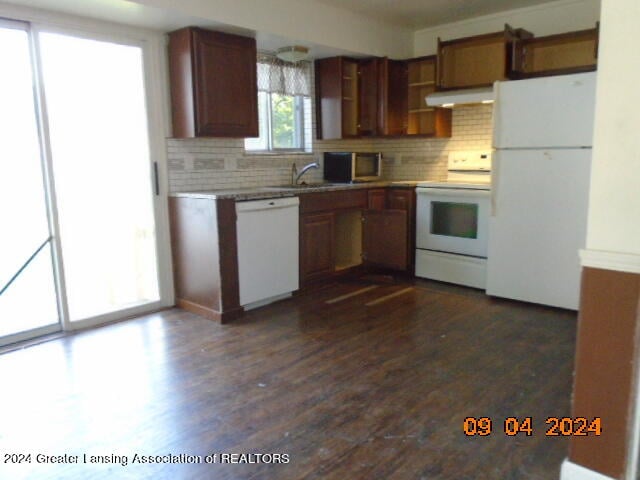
(267, 249)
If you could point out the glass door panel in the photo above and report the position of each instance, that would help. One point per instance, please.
(97, 120)
(27, 289)
(454, 219)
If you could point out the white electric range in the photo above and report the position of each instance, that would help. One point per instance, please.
(452, 221)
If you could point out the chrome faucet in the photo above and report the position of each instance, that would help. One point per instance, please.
(304, 170)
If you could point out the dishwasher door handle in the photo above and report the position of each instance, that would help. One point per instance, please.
(269, 204)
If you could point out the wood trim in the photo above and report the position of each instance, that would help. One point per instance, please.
(228, 244)
(604, 386)
(620, 262)
(209, 313)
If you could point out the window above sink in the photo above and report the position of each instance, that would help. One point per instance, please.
(284, 107)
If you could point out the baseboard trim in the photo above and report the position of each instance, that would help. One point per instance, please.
(209, 313)
(620, 262)
(573, 471)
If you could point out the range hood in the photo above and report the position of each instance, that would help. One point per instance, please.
(460, 97)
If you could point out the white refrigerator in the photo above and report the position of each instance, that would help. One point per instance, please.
(543, 131)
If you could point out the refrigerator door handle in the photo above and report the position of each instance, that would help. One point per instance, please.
(495, 181)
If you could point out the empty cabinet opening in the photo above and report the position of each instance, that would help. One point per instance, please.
(469, 64)
(348, 232)
(560, 53)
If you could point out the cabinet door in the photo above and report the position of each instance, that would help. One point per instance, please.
(384, 238)
(405, 199)
(400, 199)
(317, 249)
(368, 97)
(394, 115)
(350, 98)
(564, 53)
(328, 79)
(376, 199)
(226, 96)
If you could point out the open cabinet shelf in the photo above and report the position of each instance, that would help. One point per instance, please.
(423, 120)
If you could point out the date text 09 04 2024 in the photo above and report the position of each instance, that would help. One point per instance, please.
(555, 426)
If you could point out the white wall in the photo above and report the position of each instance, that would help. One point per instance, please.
(614, 206)
(541, 20)
(613, 233)
(307, 20)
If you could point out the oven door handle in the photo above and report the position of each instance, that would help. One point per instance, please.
(452, 192)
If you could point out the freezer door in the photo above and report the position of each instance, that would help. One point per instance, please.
(549, 112)
(538, 224)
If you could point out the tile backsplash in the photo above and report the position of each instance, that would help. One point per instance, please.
(213, 163)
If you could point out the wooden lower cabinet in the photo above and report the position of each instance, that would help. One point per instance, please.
(317, 245)
(349, 233)
(405, 199)
(205, 257)
(376, 199)
(384, 239)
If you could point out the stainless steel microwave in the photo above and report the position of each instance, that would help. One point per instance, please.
(347, 167)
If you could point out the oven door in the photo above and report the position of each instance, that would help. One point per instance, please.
(453, 220)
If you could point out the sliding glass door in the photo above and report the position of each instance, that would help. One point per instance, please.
(28, 303)
(96, 111)
(79, 199)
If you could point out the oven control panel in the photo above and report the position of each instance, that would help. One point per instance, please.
(474, 160)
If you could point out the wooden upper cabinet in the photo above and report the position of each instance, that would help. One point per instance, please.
(476, 61)
(421, 119)
(392, 97)
(337, 97)
(360, 98)
(564, 53)
(213, 84)
(368, 97)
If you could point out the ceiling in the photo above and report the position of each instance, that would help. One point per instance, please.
(417, 14)
(135, 14)
(408, 14)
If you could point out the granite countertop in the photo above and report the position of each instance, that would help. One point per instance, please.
(257, 193)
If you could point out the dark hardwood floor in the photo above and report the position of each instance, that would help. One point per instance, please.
(354, 389)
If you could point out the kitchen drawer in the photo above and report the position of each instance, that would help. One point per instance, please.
(323, 201)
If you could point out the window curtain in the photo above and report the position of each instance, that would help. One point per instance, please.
(278, 76)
